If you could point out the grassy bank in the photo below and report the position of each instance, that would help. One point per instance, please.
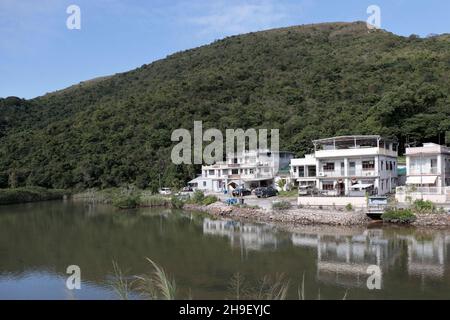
(30, 194)
(130, 198)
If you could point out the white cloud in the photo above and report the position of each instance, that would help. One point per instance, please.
(236, 17)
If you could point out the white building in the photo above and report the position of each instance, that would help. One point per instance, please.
(249, 169)
(428, 166)
(427, 174)
(347, 166)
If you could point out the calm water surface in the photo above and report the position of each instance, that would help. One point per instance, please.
(38, 241)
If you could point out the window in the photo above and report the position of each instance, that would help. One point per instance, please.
(235, 171)
(352, 169)
(295, 169)
(301, 171)
(327, 185)
(225, 171)
(368, 165)
(211, 172)
(382, 165)
(204, 183)
(329, 166)
(433, 165)
(252, 171)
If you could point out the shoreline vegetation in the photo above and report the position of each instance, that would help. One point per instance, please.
(420, 213)
(31, 194)
(132, 198)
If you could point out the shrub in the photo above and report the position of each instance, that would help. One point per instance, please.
(29, 194)
(281, 205)
(209, 200)
(421, 206)
(176, 202)
(154, 201)
(198, 197)
(127, 202)
(349, 207)
(398, 216)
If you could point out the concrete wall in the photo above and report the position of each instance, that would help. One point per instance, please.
(357, 202)
(435, 198)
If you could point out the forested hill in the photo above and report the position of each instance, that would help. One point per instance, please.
(309, 81)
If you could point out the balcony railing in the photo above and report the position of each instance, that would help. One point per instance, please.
(414, 171)
(351, 173)
(422, 190)
(248, 176)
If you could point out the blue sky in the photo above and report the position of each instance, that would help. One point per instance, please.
(39, 54)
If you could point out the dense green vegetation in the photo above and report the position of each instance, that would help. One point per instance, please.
(29, 194)
(424, 206)
(399, 216)
(310, 82)
(199, 198)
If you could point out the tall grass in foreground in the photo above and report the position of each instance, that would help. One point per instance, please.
(159, 286)
(121, 285)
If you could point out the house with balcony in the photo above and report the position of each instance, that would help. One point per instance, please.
(427, 174)
(249, 169)
(347, 167)
(304, 173)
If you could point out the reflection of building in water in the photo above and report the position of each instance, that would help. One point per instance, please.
(426, 257)
(245, 236)
(345, 259)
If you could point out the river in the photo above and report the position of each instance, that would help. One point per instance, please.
(39, 241)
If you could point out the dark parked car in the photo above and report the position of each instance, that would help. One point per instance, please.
(265, 192)
(241, 192)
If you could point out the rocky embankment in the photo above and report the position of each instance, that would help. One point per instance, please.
(306, 216)
(432, 220)
(292, 216)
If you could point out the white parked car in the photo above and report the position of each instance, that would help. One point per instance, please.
(165, 191)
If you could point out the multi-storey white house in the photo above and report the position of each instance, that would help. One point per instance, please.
(348, 166)
(249, 169)
(427, 173)
(428, 165)
(304, 171)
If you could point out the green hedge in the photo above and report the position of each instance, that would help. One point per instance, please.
(424, 206)
(398, 216)
(30, 194)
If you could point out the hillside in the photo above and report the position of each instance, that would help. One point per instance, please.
(309, 81)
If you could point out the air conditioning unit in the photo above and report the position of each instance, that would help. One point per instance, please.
(322, 174)
(369, 174)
